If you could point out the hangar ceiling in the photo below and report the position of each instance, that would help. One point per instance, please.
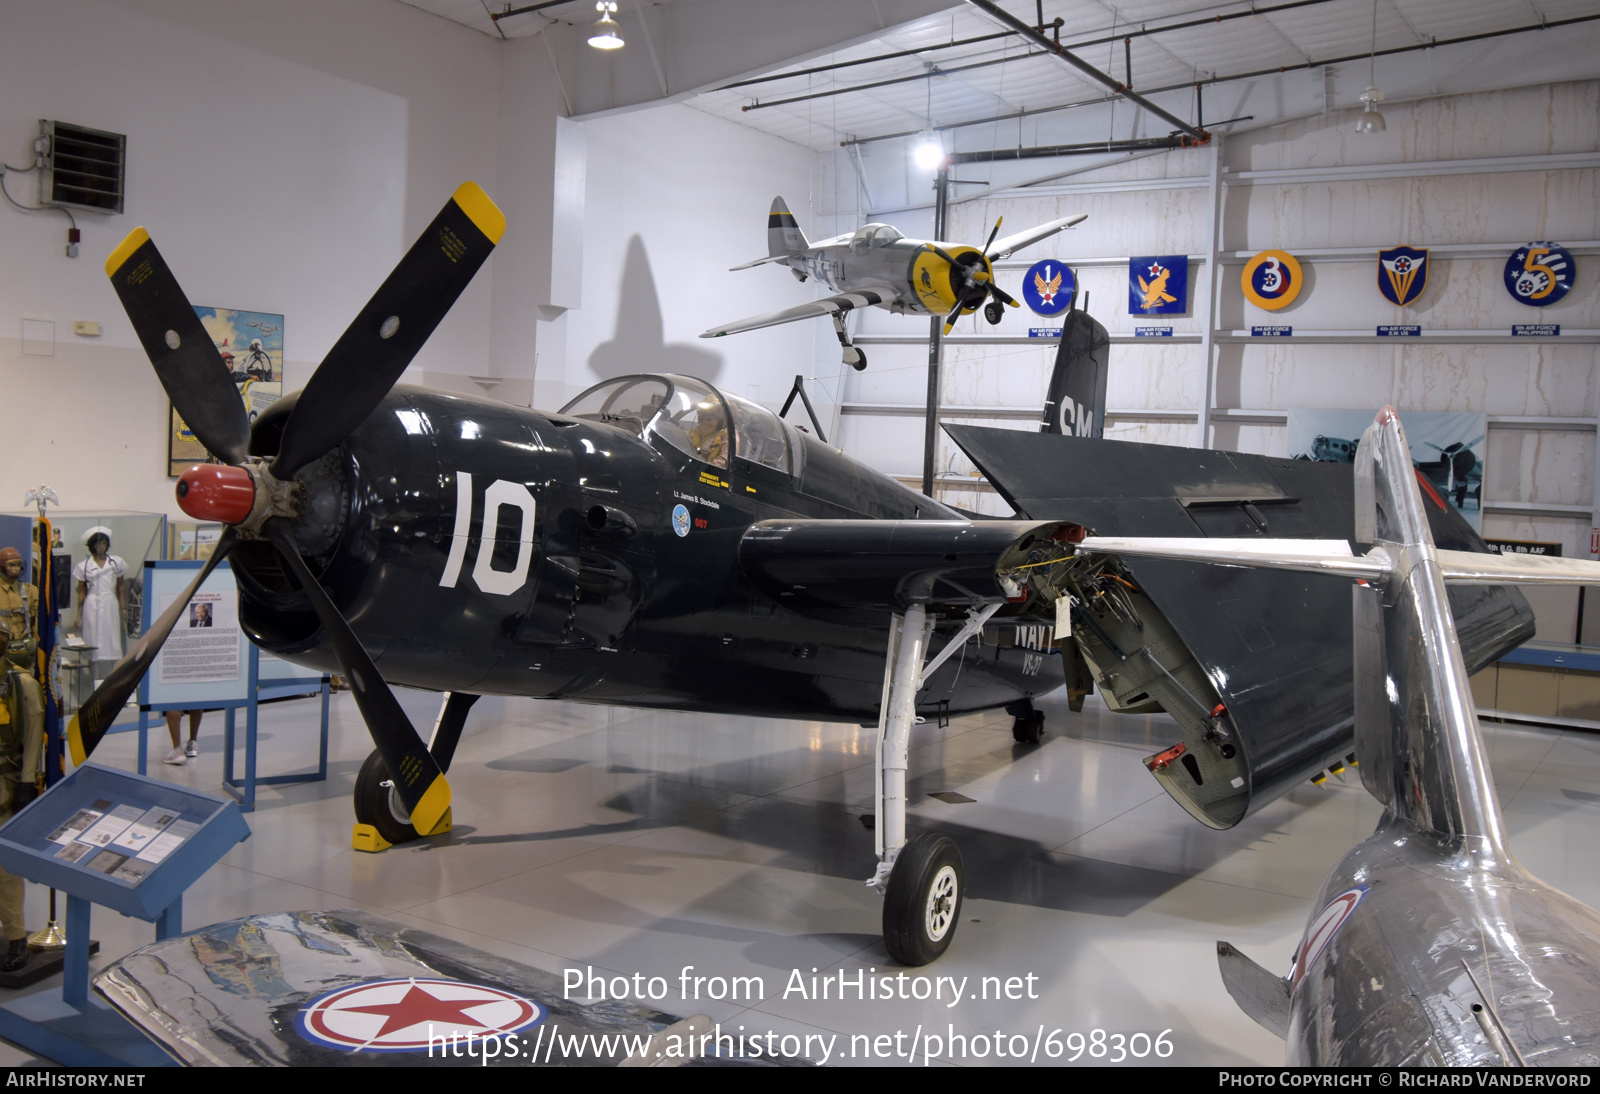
(828, 73)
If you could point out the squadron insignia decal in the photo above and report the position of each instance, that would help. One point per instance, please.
(1048, 287)
(1158, 285)
(680, 520)
(1539, 273)
(1402, 274)
(1324, 927)
(1271, 280)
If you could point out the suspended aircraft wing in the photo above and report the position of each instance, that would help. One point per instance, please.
(829, 305)
(1005, 248)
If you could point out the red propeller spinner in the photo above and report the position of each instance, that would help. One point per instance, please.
(213, 491)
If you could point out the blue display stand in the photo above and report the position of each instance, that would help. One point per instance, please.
(129, 869)
(255, 678)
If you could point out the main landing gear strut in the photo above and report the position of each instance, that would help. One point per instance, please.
(381, 817)
(922, 881)
(853, 355)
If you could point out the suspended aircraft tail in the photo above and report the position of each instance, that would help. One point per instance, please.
(1076, 402)
(783, 231)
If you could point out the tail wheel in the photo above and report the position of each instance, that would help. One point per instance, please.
(922, 906)
(378, 804)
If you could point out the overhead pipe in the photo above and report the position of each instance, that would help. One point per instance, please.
(995, 11)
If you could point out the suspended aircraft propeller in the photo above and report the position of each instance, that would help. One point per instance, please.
(258, 501)
(976, 278)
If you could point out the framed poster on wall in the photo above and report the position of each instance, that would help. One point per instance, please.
(251, 345)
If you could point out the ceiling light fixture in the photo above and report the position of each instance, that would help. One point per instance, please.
(929, 152)
(1371, 121)
(605, 33)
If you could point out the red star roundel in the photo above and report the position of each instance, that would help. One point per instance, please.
(401, 1015)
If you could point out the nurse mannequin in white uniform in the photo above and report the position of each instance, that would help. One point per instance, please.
(100, 595)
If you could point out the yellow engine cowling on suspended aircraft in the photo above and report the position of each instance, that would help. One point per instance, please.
(878, 266)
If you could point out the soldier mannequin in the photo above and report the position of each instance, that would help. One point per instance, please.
(19, 605)
(12, 888)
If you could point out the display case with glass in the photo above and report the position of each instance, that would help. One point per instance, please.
(188, 541)
(104, 551)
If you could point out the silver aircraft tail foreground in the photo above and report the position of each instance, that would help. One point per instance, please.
(1430, 943)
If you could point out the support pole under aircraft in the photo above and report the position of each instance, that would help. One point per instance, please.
(941, 210)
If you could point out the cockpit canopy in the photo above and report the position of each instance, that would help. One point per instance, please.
(873, 235)
(692, 416)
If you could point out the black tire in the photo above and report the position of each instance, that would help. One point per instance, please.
(922, 907)
(377, 804)
(1028, 729)
(994, 312)
(856, 360)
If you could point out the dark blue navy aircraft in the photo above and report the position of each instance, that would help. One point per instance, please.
(661, 543)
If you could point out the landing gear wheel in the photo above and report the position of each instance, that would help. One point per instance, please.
(378, 805)
(922, 907)
(1029, 728)
(855, 357)
(993, 311)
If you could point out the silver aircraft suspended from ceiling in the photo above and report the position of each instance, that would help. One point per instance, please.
(877, 266)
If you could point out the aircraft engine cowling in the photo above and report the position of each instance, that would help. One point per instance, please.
(444, 528)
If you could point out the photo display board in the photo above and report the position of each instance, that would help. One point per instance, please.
(204, 659)
(121, 840)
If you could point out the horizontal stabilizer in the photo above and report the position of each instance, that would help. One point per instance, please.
(1005, 248)
(1470, 568)
(1260, 995)
(757, 262)
(1314, 556)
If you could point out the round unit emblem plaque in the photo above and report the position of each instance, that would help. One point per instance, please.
(1539, 273)
(1271, 280)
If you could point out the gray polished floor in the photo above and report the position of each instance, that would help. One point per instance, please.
(625, 841)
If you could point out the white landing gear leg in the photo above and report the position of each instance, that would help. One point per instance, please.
(921, 881)
(853, 356)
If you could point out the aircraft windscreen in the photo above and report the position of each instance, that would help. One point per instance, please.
(886, 234)
(761, 436)
(629, 402)
(694, 421)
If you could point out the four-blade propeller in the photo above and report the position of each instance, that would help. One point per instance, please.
(972, 278)
(250, 496)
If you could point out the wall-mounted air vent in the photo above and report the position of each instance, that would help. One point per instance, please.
(83, 168)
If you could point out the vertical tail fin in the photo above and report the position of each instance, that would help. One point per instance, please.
(1416, 730)
(1076, 402)
(783, 231)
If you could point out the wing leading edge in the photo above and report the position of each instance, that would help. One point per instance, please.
(838, 304)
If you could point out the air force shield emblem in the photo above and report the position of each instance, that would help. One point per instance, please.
(1402, 274)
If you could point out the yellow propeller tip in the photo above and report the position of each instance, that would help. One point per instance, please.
(1013, 303)
(132, 242)
(75, 739)
(480, 210)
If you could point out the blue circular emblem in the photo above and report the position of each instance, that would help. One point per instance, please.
(680, 520)
(1539, 273)
(1047, 287)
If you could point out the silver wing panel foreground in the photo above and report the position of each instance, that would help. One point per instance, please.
(283, 989)
(828, 305)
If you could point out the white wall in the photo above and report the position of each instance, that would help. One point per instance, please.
(675, 197)
(283, 156)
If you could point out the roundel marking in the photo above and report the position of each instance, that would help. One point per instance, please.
(1324, 927)
(1047, 287)
(1271, 280)
(1539, 274)
(401, 1015)
(680, 520)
